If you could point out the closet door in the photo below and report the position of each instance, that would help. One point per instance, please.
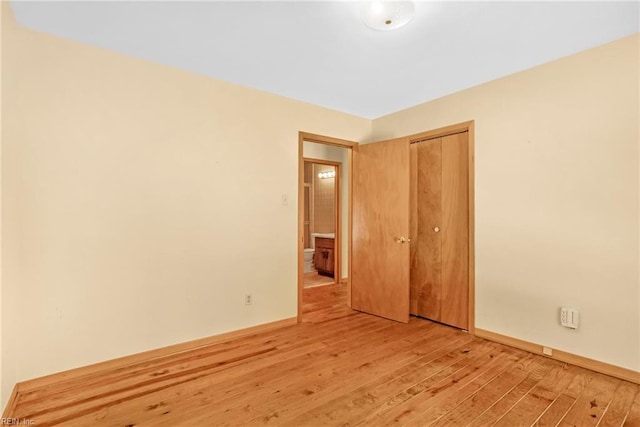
(426, 218)
(380, 251)
(440, 222)
(455, 231)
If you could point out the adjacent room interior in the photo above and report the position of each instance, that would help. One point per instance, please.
(320, 192)
(170, 251)
(325, 215)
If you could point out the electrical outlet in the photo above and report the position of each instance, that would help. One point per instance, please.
(569, 317)
(547, 351)
(248, 299)
(285, 199)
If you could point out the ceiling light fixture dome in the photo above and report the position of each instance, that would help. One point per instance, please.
(387, 15)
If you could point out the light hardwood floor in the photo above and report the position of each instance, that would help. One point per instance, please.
(324, 303)
(341, 368)
(315, 279)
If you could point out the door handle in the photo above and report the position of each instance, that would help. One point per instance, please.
(436, 229)
(402, 239)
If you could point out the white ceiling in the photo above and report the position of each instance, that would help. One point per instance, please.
(320, 52)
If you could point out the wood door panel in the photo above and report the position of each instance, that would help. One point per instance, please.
(426, 276)
(380, 265)
(455, 231)
(414, 291)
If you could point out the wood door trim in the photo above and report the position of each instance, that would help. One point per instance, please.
(444, 131)
(469, 127)
(327, 140)
(431, 138)
(472, 223)
(320, 161)
(12, 403)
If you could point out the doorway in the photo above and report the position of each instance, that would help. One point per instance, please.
(324, 223)
(321, 221)
(378, 240)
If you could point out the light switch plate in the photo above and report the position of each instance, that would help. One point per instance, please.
(569, 317)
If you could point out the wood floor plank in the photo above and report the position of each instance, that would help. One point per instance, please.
(567, 399)
(338, 367)
(238, 395)
(277, 379)
(617, 411)
(279, 338)
(633, 417)
(95, 401)
(314, 279)
(424, 402)
(556, 411)
(560, 376)
(501, 404)
(90, 385)
(365, 364)
(445, 359)
(524, 377)
(535, 402)
(74, 409)
(323, 303)
(590, 406)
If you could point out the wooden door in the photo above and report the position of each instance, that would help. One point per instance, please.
(440, 224)
(455, 231)
(380, 261)
(426, 218)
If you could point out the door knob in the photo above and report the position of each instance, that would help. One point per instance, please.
(436, 229)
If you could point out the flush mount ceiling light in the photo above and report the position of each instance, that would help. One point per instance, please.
(387, 15)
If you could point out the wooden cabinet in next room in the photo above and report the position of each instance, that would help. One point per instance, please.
(324, 257)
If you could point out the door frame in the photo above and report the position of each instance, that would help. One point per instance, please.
(469, 127)
(351, 146)
(337, 215)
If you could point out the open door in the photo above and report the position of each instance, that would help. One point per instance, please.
(380, 248)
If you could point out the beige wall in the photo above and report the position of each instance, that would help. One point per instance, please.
(557, 198)
(140, 204)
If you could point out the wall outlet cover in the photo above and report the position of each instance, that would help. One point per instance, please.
(569, 317)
